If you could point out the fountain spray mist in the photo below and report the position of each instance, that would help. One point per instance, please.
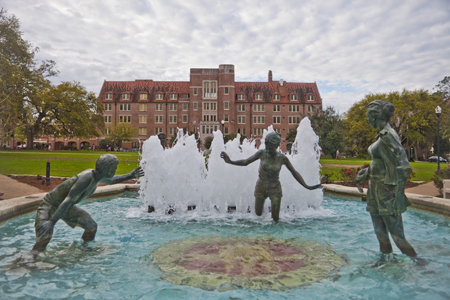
(182, 176)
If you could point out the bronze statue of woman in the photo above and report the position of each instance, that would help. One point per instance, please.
(387, 175)
(268, 184)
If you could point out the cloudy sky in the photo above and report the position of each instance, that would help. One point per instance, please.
(350, 48)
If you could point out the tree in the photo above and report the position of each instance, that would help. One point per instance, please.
(414, 120)
(330, 128)
(443, 88)
(121, 133)
(29, 102)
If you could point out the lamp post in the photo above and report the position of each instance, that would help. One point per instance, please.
(223, 123)
(438, 114)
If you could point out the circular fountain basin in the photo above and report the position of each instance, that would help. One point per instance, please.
(157, 256)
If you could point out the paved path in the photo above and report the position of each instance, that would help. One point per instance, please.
(13, 188)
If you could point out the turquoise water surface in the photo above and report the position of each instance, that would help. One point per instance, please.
(113, 267)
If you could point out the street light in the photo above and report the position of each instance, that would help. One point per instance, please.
(438, 114)
(223, 123)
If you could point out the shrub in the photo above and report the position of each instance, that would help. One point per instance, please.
(326, 178)
(439, 176)
(348, 175)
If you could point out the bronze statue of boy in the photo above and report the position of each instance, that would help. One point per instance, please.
(388, 174)
(268, 184)
(60, 202)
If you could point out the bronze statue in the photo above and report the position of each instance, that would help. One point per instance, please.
(268, 184)
(388, 174)
(60, 202)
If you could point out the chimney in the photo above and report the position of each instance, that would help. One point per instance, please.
(270, 76)
(281, 82)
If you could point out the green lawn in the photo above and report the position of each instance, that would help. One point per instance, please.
(423, 171)
(62, 163)
(69, 163)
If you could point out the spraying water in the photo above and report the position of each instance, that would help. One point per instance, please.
(181, 177)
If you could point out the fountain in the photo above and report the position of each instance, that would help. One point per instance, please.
(322, 247)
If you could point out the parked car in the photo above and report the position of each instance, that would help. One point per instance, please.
(435, 158)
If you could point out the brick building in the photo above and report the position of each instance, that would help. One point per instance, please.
(211, 100)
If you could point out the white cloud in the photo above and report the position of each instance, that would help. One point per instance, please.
(350, 48)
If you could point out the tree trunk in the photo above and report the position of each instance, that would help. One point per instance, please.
(30, 136)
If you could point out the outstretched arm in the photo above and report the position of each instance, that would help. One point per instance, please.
(298, 177)
(242, 162)
(136, 173)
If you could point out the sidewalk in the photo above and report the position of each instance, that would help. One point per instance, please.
(14, 189)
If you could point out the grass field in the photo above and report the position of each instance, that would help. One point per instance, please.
(69, 163)
(62, 163)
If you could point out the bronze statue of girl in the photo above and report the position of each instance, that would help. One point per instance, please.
(268, 184)
(387, 175)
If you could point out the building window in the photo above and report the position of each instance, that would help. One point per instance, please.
(310, 108)
(258, 97)
(185, 107)
(158, 130)
(210, 89)
(294, 120)
(159, 96)
(172, 119)
(241, 97)
(259, 119)
(124, 119)
(276, 120)
(276, 107)
(142, 106)
(276, 97)
(125, 107)
(173, 107)
(142, 131)
(185, 118)
(225, 130)
(226, 90)
(159, 107)
(108, 96)
(294, 108)
(258, 107)
(195, 105)
(185, 95)
(293, 97)
(108, 106)
(226, 105)
(209, 106)
(158, 119)
(277, 130)
(143, 119)
(258, 131)
(310, 98)
(195, 92)
(241, 119)
(108, 119)
(142, 96)
(107, 131)
(172, 131)
(226, 118)
(173, 96)
(241, 107)
(125, 96)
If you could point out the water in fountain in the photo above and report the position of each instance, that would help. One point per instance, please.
(179, 177)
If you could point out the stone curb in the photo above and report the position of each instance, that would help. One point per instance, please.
(429, 203)
(20, 205)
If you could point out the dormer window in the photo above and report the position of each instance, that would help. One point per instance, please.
(241, 97)
(293, 97)
(276, 97)
(142, 96)
(125, 96)
(159, 96)
(173, 96)
(258, 97)
(108, 96)
(310, 97)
